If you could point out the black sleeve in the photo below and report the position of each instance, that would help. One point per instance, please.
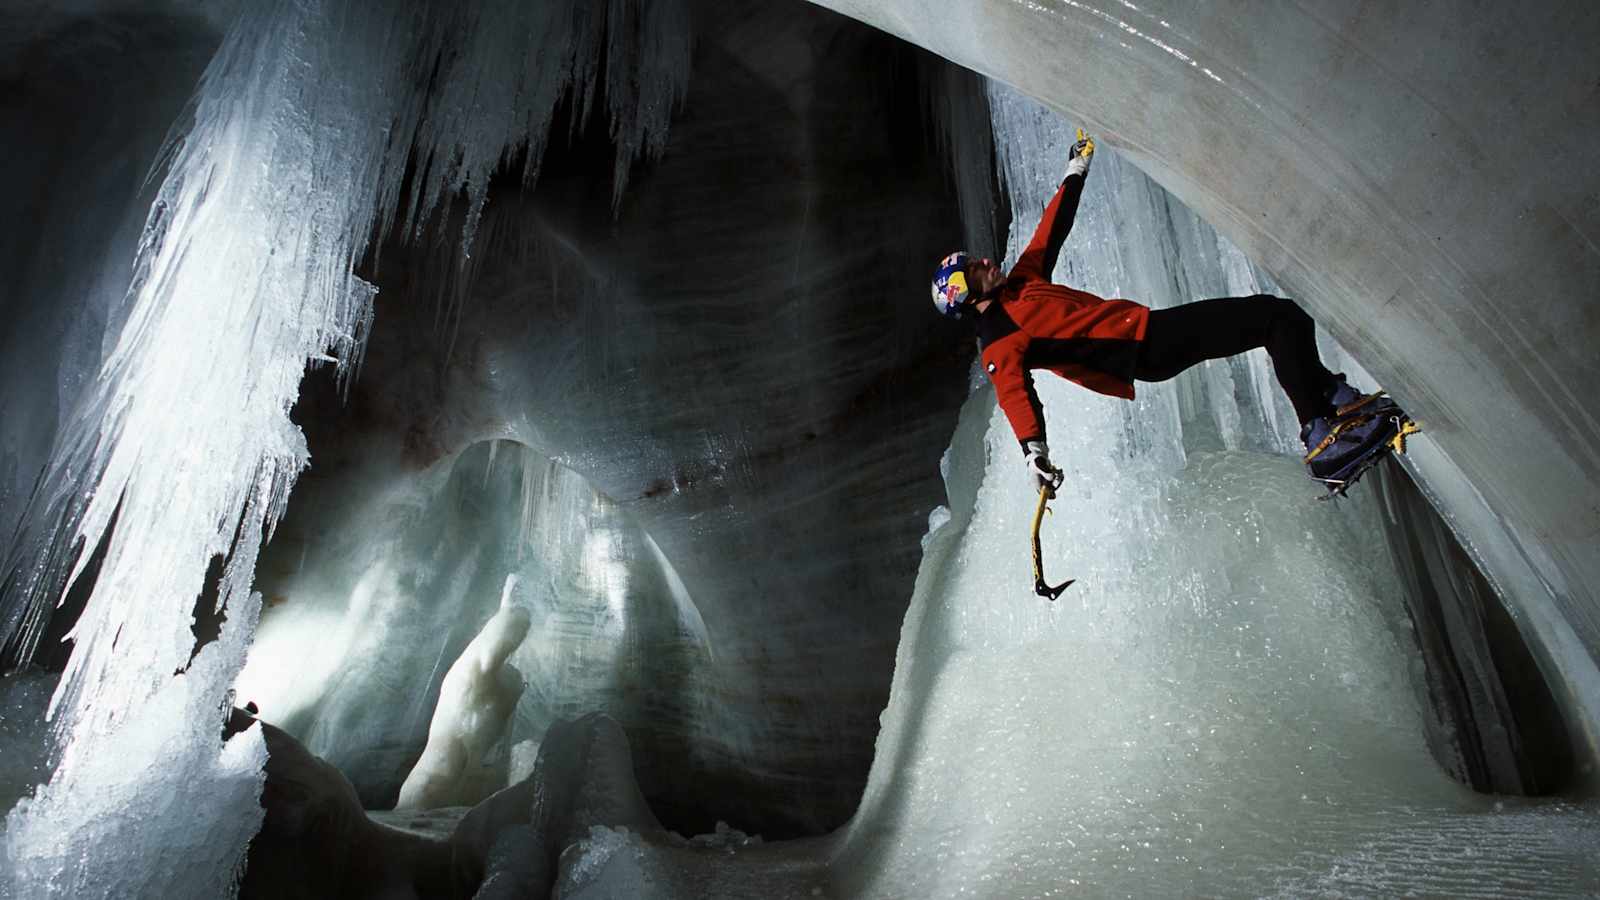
(1066, 212)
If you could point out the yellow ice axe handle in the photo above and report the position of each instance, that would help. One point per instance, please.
(1040, 587)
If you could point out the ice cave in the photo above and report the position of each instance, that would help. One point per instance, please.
(503, 449)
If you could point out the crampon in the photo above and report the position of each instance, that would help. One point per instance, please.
(1362, 434)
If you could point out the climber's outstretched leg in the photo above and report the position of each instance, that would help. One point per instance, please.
(1345, 431)
(1181, 336)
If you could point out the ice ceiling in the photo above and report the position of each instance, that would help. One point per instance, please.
(623, 398)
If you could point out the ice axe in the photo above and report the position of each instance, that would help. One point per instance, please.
(1040, 587)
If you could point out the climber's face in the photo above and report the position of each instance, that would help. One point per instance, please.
(983, 277)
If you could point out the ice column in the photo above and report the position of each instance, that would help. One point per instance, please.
(301, 130)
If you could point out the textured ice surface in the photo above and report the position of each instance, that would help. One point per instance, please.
(616, 862)
(607, 863)
(189, 449)
(294, 158)
(579, 827)
(1473, 317)
(164, 808)
(767, 425)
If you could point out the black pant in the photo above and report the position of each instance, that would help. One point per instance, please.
(1181, 336)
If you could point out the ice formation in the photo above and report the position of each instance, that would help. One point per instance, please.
(1222, 705)
(579, 828)
(475, 704)
(494, 557)
(294, 157)
(24, 740)
(1293, 151)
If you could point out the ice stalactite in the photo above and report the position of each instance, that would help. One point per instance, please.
(90, 102)
(293, 160)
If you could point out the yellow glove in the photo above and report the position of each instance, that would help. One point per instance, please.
(1078, 158)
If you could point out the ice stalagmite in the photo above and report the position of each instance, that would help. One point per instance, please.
(292, 161)
(476, 700)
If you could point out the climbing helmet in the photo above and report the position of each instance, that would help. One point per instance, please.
(950, 284)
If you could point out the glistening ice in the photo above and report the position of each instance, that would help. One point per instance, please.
(1222, 705)
(294, 156)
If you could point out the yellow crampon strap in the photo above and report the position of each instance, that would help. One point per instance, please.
(1396, 443)
(1334, 435)
(1346, 413)
(1040, 587)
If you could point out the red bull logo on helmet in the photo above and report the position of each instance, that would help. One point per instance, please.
(950, 284)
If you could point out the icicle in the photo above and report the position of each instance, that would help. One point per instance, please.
(488, 467)
(649, 47)
(534, 479)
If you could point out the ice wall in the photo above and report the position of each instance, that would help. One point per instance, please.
(295, 155)
(1223, 704)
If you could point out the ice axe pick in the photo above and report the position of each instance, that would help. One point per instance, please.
(1040, 586)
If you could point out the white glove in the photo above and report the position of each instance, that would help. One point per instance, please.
(1079, 156)
(1038, 461)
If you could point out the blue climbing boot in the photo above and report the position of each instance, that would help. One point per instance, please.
(1334, 447)
(1363, 429)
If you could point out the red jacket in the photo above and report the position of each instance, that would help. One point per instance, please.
(1033, 324)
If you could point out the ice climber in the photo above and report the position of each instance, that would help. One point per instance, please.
(1026, 322)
